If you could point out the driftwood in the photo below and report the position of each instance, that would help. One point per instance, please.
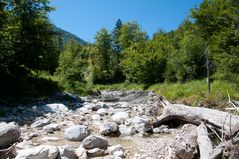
(235, 106)
(223, 122)
(204, 142)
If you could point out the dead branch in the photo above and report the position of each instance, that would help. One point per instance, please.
(233, 104)
(204, 142)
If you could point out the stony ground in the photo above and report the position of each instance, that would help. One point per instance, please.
(73, 127)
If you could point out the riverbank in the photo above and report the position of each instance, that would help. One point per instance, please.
(194, 93)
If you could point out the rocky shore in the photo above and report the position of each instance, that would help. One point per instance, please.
(111, 125)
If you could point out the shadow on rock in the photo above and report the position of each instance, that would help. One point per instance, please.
(60, 103)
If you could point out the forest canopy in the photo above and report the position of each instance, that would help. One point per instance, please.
(205, 44)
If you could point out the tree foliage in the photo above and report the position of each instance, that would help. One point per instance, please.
(72, 63)
(181, 55)
(130, 34)
(115, 37)
(27, 42)
(187, 60)
(104, 60)
(218, 21)
(145, 62)
(34, 44)
(117, 49)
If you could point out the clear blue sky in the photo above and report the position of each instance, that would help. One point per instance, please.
(85, 17)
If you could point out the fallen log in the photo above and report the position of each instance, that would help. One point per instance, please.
(204, 142)
(225, 123)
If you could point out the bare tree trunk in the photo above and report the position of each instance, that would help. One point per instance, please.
(204, 142)
(223, 122)
(208, 70)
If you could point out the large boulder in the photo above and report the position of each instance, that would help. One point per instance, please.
(40, 123)
(55, 108)
(185, 146)
(110, 129)
(67, 152)
(120, 117)
(39, 152)
(141, 125)
(9, 134)
(94, 141)
(77, 133)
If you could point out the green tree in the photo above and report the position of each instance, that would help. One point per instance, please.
(131, 33)
(133, 62)
(35, 43)
(27, 44)
(4, 39)
(72, 64)
(218, 22)
(115, 37)
(132, 42)
(104, 60)
(188, 55)
(117, 50)
(145, 62)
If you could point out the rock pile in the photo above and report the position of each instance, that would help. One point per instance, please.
(112, 125)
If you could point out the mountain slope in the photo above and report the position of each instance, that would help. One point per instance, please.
(67, 36)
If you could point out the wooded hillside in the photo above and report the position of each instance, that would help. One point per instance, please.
(205, 45)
